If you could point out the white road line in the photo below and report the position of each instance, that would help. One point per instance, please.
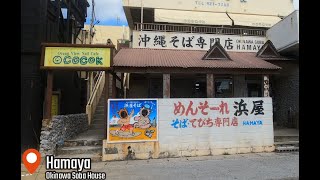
(26, 174)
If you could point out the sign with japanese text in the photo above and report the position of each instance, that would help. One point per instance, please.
(76, 57)
(132, 120)
(193, 41)
(218, 122)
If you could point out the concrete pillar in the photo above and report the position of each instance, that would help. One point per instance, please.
(210, 86)
(266, 92)
(166, 85)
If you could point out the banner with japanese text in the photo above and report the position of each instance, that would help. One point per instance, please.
(195, 41)
(215, 122)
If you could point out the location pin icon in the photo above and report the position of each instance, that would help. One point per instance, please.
(31, 160)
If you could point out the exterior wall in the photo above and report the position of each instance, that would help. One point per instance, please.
(259, 7)
(285, 93)
(182, 134)
(285, 33)
(32, 34)
(60, 129)
(181, 88)
(138, 88)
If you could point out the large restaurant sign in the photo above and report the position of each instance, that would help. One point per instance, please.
(193, 41)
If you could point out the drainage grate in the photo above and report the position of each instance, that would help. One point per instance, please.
(287, 149)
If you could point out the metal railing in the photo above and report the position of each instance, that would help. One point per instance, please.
(199, 29)
(95, 96)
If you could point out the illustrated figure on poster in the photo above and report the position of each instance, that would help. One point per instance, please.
(124, 120)
(143, 119)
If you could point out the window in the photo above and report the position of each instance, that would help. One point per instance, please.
(223, 87)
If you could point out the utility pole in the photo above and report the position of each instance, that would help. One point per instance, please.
(91, 23)
(90, 74)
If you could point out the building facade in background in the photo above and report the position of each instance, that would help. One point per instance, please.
(44, 22)
(285, 89)
(117, 34)
(239, 26)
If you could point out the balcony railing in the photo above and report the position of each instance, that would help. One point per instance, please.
(199, 29)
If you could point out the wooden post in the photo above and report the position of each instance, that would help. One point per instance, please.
(48, 102)
(114, 85)
(210, 86)
(122, 88)
(266, 92)
(106, 87)
(91, 83)
(166, 85)
(88, 86)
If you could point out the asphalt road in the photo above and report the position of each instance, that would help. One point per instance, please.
(261, 166)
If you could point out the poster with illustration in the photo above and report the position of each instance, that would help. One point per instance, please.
(132, 120)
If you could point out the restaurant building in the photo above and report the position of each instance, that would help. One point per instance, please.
(191, 59)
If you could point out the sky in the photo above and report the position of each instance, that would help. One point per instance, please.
(110, 12)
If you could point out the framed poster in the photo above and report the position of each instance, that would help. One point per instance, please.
(132, 120)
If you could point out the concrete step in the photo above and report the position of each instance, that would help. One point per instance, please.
(101, 112)
(90, 135)
(98, 129)
(98, 116)
(97, 125)
(99, 107)
(82, 142)
(98, 121)
(287, 143)
(101, 103)
(93, 157)
(286, 149)
(95, 131)
(285, 138)
(80, 150)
